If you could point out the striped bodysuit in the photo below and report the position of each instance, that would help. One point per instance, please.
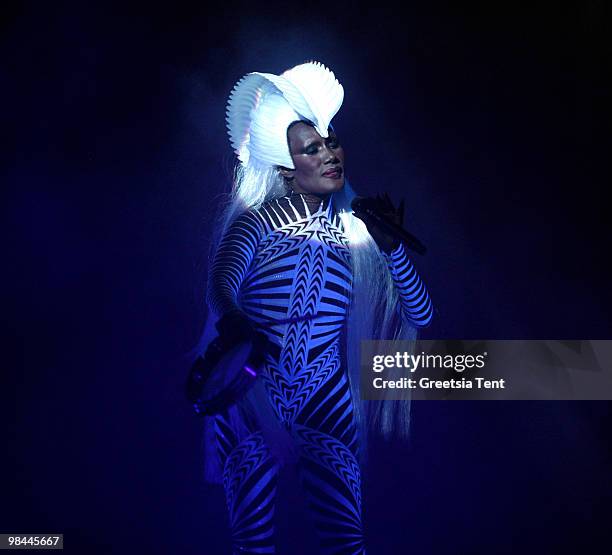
(286, 261)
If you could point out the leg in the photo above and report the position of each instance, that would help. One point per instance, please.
(329, 468)
(249, 478)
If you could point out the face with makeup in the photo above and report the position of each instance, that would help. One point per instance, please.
(318, 161)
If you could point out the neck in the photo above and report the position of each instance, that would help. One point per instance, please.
(313, 200)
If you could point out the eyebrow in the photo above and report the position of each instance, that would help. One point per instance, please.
(318, 141)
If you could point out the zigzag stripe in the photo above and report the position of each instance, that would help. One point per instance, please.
(250, 481)
(327, 452)
(303, 386)
(242, 461)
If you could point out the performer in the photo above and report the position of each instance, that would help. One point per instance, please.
(296, 264)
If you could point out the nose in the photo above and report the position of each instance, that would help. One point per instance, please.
(329, 156)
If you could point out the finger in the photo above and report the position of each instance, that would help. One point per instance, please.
(378, 203)
(362, 216)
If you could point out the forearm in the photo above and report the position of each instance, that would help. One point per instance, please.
(415, 304)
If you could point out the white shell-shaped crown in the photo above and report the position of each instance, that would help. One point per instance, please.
(263, 105)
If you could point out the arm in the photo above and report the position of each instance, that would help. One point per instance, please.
(415, 304)
(231, 263)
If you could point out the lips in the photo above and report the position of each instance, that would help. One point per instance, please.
(334, 173)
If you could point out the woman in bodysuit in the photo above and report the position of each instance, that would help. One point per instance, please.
(297, 265)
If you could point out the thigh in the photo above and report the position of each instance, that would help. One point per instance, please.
(330, 412)
(250, 478)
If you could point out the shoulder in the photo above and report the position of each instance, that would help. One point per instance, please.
(277, 212)
(246, 223)
(269, 216)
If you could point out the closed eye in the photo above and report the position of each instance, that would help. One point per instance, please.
(312, 148)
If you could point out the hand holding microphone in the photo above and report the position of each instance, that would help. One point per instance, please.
(384, 223)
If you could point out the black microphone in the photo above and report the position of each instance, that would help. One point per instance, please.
(369, 207)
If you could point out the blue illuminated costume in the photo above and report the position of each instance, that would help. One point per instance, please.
(289, 260)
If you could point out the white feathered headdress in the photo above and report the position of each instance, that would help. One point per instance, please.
(263, 105)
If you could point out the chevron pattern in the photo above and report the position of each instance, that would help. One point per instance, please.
(250, 479)
(288, 263)
(332, 481)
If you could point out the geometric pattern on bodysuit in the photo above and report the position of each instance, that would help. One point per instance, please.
(285, 261)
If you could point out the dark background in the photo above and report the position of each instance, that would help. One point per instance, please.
(487, 119)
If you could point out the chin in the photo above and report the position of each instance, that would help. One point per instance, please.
(333, 186)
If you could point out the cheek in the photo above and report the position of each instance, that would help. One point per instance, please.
(307, 168)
